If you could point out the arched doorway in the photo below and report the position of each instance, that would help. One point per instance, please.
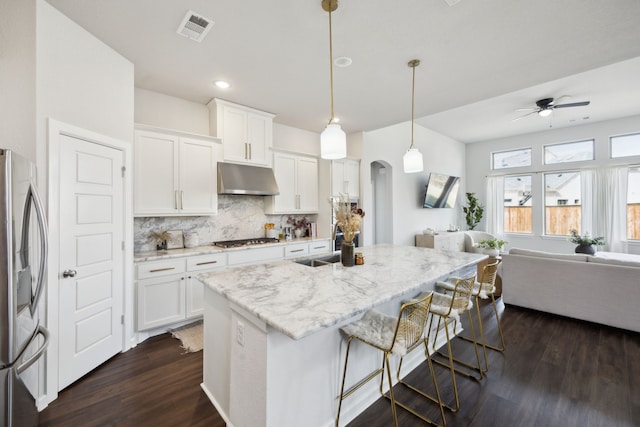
(381, 173)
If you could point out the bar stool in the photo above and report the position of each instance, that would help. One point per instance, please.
(483, 289)
(448, 308)
(391, 335)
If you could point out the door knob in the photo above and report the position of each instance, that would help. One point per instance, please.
(69, 273)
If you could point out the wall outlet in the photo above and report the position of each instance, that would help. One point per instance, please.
(240, 333)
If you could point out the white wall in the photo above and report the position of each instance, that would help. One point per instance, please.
(18, 76)
(441, 154)
(82, 82)
(168, 112)
(479, 166)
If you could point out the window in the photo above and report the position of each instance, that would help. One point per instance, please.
(625, 145)
(518, 213)
(511, 159)
(633, 204)
(562, 203)
(569, 152)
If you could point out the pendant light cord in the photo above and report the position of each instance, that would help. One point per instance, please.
(413, 97)
(331, 64)
(413, 64)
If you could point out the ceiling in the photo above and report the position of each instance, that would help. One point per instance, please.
(480, 59)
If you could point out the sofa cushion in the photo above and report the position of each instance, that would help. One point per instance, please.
(614, 261)
(551, 255)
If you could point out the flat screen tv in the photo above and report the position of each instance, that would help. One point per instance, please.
(442, 191)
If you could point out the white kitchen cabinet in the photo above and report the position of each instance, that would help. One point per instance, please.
(246, 133)
(319, 246)
(255, 255)
(174, 173)
(297, 178)
(167, 291)
(295, 250)
(345, 178)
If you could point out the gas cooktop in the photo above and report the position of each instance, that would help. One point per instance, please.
(246, 242)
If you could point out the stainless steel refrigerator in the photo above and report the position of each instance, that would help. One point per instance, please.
(23, 260)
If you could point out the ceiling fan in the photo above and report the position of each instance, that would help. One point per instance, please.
(546, 106)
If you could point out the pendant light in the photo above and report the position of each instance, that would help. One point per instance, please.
(412, 159)
(333, 140)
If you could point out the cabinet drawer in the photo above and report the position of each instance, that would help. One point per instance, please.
(251, 256)
(319, 247)
(296, 249)
(160, 268)
(205, 262)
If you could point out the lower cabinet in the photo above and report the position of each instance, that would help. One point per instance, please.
(167, 291)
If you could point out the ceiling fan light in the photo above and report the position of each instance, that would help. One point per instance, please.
(412, 161)
(333, 142)
(545, 112)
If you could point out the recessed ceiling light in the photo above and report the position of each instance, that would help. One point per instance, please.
(222, 84)
(342, 61)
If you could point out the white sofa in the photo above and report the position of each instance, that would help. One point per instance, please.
(604, 288)
(472, 237)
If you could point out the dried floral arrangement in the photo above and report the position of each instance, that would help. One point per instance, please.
(348, 218)
(298, 223)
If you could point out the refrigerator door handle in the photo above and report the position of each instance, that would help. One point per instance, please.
(42, 225)
(35, 356)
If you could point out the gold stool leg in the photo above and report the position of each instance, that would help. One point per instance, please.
(344, 376)
(450, 366)
(495, 311)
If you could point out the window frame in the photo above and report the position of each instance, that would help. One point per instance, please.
(593, 151)
(611, 141)
(545, 206)
(531, 212)
(493, 162)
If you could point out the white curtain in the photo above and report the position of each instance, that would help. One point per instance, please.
(495, 205)
(604, 206)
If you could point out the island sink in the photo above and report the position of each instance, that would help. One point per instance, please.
(318, 262)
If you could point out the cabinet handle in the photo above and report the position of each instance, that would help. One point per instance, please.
(175, 199)
(162, 269)
(246, 151)
(250, 153)
(207, 262)
(296, 250)
(319, 247)
(181, 199)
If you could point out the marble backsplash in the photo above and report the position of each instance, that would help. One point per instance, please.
(239, 217)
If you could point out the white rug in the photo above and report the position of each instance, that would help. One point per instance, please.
(190, 336)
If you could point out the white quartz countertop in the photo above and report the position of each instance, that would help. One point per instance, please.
(209, 249)
(298, 300)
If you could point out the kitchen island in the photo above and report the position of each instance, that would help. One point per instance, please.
(272, 348)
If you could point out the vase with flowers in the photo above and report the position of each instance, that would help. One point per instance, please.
(348, 219)
(299, 225)
(585, 242)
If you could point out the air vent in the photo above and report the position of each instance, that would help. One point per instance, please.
(194, 26)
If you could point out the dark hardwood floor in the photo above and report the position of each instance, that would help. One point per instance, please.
(555, 372)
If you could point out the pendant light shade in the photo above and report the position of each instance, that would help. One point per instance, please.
(412, 159)
(333, 140)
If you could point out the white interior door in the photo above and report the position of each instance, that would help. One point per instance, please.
(91, 253)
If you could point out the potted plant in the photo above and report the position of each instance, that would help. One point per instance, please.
(585, 242)
(473, 211)
(492, 246)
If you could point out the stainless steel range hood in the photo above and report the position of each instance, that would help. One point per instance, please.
(234, 178)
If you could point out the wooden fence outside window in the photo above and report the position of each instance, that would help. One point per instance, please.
(560, 219)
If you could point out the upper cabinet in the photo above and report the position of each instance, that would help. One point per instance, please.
(247, 134)
(297, 178)
(345, 178)
(175, 173)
